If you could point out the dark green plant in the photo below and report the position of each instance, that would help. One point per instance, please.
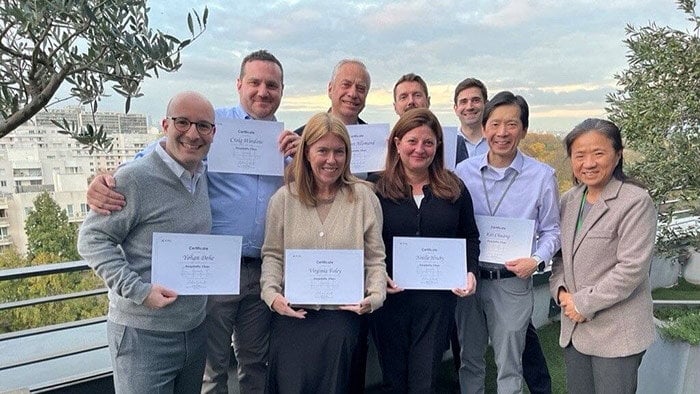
(86, 44)
(680, 324)
(657, 107)
(49, 232)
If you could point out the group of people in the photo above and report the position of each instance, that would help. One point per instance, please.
(162, 342)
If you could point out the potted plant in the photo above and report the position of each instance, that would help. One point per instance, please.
(672, 363)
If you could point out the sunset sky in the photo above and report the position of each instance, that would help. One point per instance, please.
(560, 55)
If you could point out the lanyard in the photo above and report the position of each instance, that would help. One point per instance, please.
(579, 221)
(500, 200)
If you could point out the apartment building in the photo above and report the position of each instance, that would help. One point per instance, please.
(35, 158)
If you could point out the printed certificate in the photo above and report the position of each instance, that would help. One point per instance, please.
(197, 264)
(430, 263)
(246, 147)
(324, 276)
(368, 145)
(504, 239)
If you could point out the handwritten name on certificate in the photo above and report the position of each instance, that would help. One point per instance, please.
(504, 239)
(430, 263)
(368, 145)
(243, 146)
(197, 264)
(324, 276)
(450, 146)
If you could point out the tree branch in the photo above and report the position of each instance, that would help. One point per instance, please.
(38, 102)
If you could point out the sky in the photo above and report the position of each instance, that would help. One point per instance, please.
(560, 55)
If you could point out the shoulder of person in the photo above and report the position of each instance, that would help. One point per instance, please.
(569, 194)
(529, 161)
(137, 167)
(363, 188)
(632, 192)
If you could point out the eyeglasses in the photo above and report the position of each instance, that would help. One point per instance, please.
(183, 125)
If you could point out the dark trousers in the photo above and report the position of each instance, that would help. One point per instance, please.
(535, 371)
(411, 333)
(600, 375)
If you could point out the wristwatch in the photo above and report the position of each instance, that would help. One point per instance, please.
(541, 264)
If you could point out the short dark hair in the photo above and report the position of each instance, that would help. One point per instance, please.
(471, 83)
(262, 55)
(411, 77)
(507, 98)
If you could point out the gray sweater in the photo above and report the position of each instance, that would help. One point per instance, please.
(118, 246)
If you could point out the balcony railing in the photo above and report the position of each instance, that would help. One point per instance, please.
(74, 358)
(68, 357)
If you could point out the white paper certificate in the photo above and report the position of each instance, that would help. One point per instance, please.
(246, 147)
(368, 145)
(324, 276)
(450, 146)
(430, 263)
(197, 264)
(504, 239)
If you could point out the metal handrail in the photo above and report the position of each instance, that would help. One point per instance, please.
(55, 298)
(44, 269)
(47, 269)
(677, 302)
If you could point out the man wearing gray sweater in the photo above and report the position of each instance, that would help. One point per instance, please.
(156, 338)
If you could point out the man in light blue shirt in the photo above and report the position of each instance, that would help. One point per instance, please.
(238, 207)
(505, 183)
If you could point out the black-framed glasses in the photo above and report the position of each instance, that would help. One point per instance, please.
(183, 124)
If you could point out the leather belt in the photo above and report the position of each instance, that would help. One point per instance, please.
(496, 273)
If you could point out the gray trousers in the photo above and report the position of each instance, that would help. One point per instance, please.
(600, 375)
(500, 310)
(247, 318)
(157, 362)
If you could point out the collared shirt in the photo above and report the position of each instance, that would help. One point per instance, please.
(188, 179)
(238, 201)
(533, 195)
(466, 149)
(477, 149)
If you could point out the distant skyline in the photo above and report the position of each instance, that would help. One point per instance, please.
(561, 56)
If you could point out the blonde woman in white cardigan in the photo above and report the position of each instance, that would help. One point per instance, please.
(322, 206)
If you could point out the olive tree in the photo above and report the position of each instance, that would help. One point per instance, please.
(657, 106)
(85, 44)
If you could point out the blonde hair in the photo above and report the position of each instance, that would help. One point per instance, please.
(299, 176)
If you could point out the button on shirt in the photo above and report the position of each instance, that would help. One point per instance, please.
(533, 195)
